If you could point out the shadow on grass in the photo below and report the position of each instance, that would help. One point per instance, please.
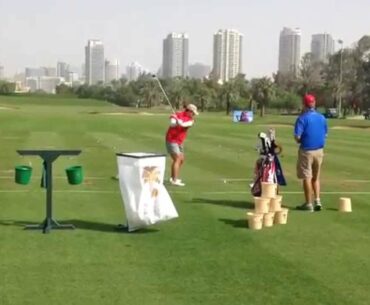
(236, 223)
(290, 208)
(83, 225)
(103, 227)
(301, 211)
(227, 203)
(16, 223)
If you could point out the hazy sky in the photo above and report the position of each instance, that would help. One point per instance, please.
(37, 33)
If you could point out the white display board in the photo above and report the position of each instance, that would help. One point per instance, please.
(145, 198)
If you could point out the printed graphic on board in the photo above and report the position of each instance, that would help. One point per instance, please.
(242, 116)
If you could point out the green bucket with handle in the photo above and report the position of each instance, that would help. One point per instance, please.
(23, 174)
(75, 174)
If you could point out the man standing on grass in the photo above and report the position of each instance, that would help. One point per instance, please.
(310, 132)
(180, 122)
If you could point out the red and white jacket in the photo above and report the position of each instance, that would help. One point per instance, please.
(180, 123)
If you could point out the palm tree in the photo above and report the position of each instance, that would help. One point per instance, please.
(150, 92)
(198, 92)
(213, 88)
(263, 90)
(229, 93)
(175, 91)
(244, 90)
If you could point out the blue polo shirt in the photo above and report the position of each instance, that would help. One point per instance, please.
(312, 128)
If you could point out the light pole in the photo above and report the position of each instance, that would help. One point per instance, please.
(340, 79)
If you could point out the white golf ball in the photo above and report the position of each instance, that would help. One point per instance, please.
(225, 181)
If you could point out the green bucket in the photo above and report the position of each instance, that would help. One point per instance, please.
(23, 174)
(75, 174)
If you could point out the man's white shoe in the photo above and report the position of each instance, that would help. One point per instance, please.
(177, 182)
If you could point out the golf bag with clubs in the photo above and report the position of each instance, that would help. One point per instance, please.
(268, 167)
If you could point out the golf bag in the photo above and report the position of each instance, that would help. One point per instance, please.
(268, 167)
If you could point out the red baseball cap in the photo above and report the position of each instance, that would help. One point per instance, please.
(309, 100)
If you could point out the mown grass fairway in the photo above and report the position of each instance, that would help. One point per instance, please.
(207, 256)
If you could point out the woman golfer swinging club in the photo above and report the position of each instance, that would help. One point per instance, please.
(180, 122)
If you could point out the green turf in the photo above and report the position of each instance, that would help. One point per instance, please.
(207, 255)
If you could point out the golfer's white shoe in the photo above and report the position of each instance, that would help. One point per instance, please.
(171, 180)
(177, 182)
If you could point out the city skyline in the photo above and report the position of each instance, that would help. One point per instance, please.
(133, 31)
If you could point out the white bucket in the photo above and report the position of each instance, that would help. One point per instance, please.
(268, 219)
(261, 205)
(281, 217)
(275, 203)
(254, 221)
(345, 205)
(269, 190)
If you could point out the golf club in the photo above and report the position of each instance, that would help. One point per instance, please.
(164, 92)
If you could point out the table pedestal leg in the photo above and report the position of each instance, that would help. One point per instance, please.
(49, 224)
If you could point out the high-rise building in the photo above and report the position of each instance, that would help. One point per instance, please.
(33, 72)
(199, 71)
(42, 71)
(111, 70)
(32, 83)
(73, 77)
(94, 62)
(63, 70)
(227, 54)
(48, 71)
(2, 76)
(289, 51)
(48, 84)
(134, 70)
(322, 46)
(175, 55)
(83, 70)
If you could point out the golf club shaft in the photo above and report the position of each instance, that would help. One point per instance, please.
(165, 94)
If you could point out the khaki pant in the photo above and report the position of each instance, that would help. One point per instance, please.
(309, 163)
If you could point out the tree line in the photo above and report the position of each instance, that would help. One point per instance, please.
(6, 88)
(207, 94)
